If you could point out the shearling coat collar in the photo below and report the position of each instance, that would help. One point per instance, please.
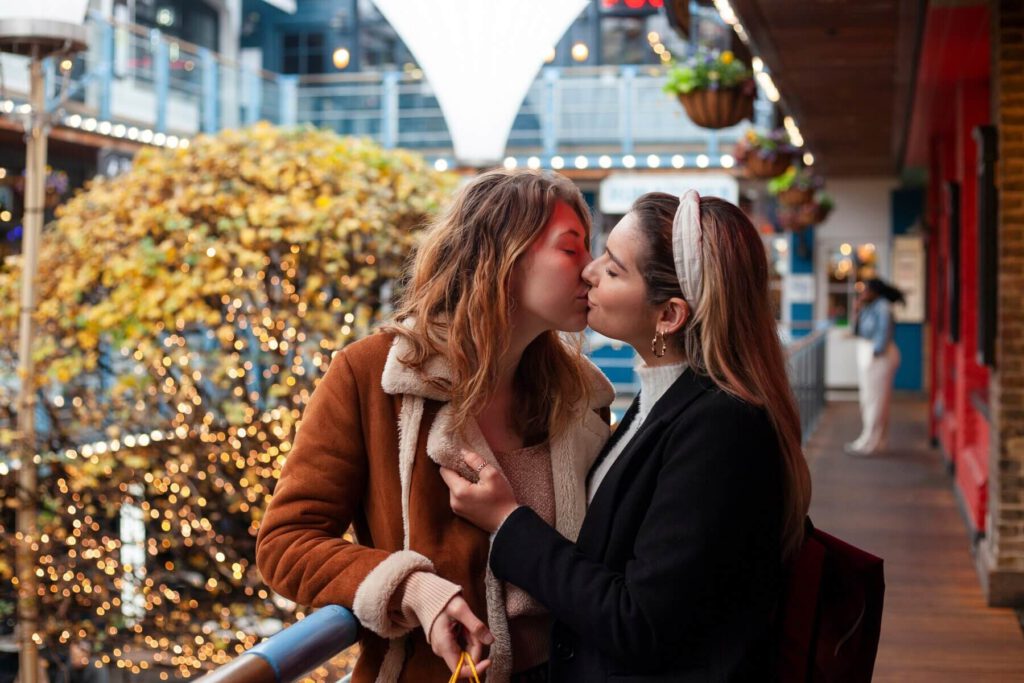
(572, 452)
(400, 379)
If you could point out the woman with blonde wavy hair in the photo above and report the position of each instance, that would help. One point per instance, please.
(701, 494)
(473, 360)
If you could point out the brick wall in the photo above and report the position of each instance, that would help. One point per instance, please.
(1002, 556)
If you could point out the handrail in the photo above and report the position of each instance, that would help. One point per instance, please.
(806, 365)
(147, 33)
(818, 332)
(293, 651)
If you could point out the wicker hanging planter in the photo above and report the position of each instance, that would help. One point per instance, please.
(813, 213)
(796, 196)
(793, 219)
(758, 166)
(719, 108)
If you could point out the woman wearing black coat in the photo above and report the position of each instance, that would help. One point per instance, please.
(701, 494)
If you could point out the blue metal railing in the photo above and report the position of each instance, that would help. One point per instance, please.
(807, 376)
(146, 79)
(293, 651)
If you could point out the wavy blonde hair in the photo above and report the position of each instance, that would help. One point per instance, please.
(732, 335)
(458, 301)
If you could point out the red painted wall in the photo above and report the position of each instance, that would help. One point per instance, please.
(959, 381)
(955, 99)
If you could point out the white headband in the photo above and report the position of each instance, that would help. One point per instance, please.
(686, 246)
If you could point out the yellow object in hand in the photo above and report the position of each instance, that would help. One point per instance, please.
(464, 659)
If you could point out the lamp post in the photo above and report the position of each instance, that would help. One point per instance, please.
(27, 29)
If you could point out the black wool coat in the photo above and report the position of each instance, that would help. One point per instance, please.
(677, 570)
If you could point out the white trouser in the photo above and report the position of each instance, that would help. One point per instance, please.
(875, 377)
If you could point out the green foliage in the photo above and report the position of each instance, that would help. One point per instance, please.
(708, 70)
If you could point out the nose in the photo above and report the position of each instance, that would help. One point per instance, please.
(589, 273)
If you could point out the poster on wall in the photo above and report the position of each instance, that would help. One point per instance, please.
(908, 273)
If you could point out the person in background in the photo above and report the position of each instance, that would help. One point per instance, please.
(877, 362)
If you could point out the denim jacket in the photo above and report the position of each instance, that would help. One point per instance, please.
(875, 324)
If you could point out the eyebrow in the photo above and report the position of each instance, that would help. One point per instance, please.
(571, 231)
(619, 263)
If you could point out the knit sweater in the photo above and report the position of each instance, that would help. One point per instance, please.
(654, 382)
(423, 596)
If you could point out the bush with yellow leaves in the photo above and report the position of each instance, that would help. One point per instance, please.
(187, 310)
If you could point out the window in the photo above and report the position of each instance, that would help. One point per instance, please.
(195, 22)
(848, 267)
(303, 52)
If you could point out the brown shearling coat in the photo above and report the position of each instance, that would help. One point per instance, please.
(368, 452)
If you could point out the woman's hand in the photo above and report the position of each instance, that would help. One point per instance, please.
(486, 503)
(457, 625)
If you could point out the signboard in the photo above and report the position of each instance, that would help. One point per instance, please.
(908, 274)
(620, 190)
(800, 288)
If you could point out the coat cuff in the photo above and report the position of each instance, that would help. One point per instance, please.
(513, 541)
(374, 595)
(424, 597)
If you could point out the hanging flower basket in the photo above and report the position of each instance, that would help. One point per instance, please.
(718, 108)
(799, 218)
(796, 196)
(795, 186)
(761, 167)
(817, 210)
(792, 219)
(765, 155)
(54, 188)
(716, 90)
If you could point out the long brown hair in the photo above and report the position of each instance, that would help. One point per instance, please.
(458, 301)
(731, 336)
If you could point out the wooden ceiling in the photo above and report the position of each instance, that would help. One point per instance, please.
(845, 69)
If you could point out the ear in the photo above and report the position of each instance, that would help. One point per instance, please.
(674, 314)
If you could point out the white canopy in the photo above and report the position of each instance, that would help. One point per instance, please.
(480, 57)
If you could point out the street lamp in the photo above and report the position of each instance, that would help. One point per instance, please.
(28, 29)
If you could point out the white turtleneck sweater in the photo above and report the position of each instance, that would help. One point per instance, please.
(654, 382)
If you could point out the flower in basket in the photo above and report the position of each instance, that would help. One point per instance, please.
(56, 182)
(54, 188)
(715, 88)
(767, 155)
(795, 186)
(707, 70)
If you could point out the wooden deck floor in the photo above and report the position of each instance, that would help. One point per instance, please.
(901, 506)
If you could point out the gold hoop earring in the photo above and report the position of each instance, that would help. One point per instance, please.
(658, 344)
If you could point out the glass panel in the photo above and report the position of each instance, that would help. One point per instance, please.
(849, 266)
(314, 63)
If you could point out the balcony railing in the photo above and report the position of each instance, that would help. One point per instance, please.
(145, 80)
(293, 651)
(807, 376)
